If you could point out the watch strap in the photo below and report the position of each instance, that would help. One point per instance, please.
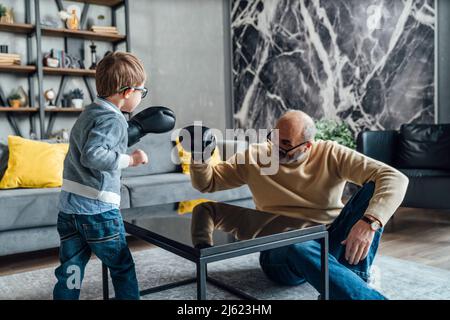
(370, 221)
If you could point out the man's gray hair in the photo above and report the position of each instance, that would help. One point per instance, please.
(309, 131)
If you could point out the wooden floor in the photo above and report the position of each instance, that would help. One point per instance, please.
(47, 258)
(414, 234)
(419, 235)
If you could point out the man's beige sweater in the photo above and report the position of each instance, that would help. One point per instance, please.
(310, 190)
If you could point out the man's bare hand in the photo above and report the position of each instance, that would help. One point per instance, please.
(358, 242)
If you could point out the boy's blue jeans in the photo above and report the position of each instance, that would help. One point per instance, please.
(103, 234)
(298, 263)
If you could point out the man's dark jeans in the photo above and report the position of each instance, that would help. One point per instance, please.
(298, 263)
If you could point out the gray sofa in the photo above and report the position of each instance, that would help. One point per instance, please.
(28, 216)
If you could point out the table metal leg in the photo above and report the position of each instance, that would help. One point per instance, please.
(201, 280)
(324, 293)
(105, 282)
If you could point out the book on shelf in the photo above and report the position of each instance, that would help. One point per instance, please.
(106, 32)
(8, 59)
(10, 55)
(9, 63)
(105, 29)
(60, 55)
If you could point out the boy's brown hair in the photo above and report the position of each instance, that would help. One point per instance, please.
(117, 70)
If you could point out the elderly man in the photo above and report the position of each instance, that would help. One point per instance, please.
(305, 191)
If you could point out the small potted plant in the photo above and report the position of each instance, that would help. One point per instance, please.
(14, 100)
(340, 132)
(6, 15)
(3, 10)
(336, 131)
(77, 96)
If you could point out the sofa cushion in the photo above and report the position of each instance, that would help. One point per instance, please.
(173, 187)
(422, 146)
(28, 208)
(427, 189)
(160, 150)
(425, 173)
(26, 240)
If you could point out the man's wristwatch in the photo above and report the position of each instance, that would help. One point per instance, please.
(374, 224)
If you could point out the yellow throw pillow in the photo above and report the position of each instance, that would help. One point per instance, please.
(34, 164)
(185, 160)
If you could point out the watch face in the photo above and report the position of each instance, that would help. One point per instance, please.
(375, 226)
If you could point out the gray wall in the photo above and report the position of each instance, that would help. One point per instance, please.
(181, 44)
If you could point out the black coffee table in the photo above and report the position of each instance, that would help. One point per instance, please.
(165, 234)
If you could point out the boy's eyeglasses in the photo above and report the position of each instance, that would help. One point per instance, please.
(143, 89)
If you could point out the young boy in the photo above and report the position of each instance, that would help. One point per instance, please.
(89, 219)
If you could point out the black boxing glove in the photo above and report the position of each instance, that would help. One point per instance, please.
(150, 120)
(200, 141)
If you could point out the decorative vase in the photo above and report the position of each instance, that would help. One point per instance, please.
(72, 22)
(77, 103)
(66, 102)
(8, 17)
(15, 104)
(51, 62)
(23, 97)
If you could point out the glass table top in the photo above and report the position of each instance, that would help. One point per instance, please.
(175, 230)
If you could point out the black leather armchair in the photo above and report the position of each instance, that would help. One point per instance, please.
(422, 153)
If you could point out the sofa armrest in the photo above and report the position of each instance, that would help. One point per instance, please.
(379, 145)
